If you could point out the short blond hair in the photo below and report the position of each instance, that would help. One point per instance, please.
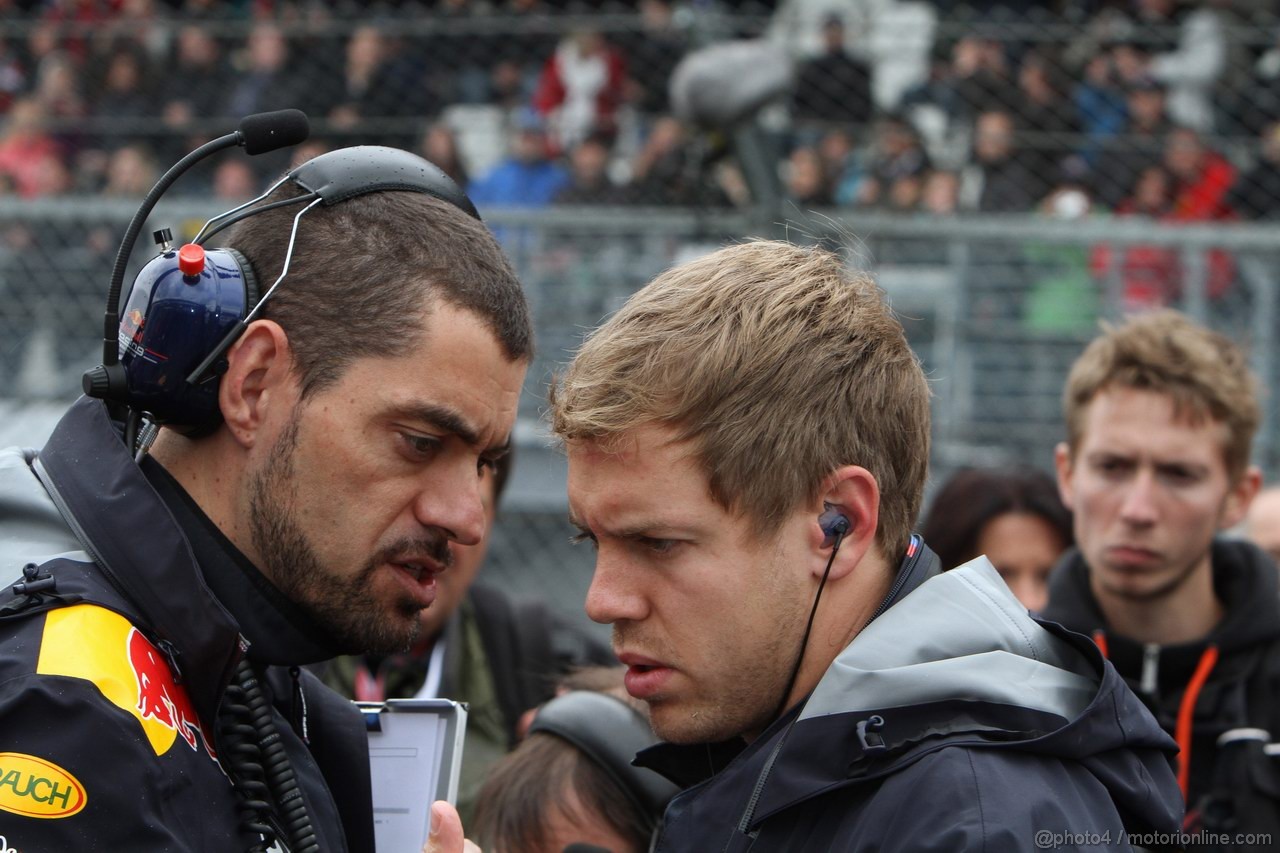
(1204, 373)
(779, 365)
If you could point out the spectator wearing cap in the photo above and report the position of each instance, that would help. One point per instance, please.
(1139, 145)
(528, 177)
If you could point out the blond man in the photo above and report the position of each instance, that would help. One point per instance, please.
(1160, 417)
(747, 440)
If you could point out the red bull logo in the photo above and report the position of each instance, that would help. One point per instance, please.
(133, 323)
(101, 646)
(160, 698)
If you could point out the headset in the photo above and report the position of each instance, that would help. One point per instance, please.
(610, 733)
(162, 359)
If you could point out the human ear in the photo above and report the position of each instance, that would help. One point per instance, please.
(849, 516)
(259, 376)
(1064, 465)
(1241, 496)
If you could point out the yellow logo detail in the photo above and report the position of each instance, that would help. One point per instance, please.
(90, 642)
(34, 787)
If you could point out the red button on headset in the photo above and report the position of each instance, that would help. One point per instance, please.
(191, 259)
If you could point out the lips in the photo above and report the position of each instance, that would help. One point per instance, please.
(1131, 556)
(645, 676)
(418, 577)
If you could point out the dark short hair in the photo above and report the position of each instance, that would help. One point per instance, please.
(973, 497)
(366, 271)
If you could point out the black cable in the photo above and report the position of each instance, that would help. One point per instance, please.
(804, 642)
(242, 757)
(290, 809)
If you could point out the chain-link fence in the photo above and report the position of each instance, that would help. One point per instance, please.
(1159, 109)
(1010, 172)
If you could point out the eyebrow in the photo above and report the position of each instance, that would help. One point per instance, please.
(632, 531)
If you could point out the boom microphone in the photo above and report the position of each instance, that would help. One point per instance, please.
(265, 132)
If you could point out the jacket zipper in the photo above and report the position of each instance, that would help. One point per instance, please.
(1150, 669)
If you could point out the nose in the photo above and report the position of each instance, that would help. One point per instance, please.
(613, 595)
(452, 503)
(1139, 507)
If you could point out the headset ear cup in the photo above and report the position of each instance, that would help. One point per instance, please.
(251, 291)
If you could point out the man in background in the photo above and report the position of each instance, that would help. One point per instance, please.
(1160, 416)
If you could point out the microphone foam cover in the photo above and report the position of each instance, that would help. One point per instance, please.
(263, 132)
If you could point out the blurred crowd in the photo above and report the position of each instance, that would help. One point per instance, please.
(1144, 109)
(1141, 107)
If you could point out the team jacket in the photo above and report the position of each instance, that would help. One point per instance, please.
(115, 659)
(954, 721)
(1228, 681)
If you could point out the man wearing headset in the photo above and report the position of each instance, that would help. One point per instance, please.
(747, 441)
(151, 696)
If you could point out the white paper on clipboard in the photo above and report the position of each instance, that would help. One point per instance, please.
(415, 757)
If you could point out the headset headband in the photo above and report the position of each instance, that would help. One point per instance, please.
(349, 172)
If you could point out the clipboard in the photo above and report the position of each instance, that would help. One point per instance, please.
(415, 758)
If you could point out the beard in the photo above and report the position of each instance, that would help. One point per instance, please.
(343, 604)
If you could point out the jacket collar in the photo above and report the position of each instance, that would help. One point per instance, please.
(140, 549)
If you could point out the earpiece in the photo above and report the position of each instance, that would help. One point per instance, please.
(835, 525)
(163, 356)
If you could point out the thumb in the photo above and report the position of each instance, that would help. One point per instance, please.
(446, 830)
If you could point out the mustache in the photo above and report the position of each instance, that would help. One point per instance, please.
(406, 549)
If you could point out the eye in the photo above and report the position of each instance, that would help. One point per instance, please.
(584, 536)
(1113, 467)
(421, 447)
(661, 547)
(1179, 476)
(489, 466)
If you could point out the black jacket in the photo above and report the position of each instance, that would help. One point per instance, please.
(117, 649)
(1237, 786)
(954, 721)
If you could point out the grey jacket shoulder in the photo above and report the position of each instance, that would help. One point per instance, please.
(31, 528)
